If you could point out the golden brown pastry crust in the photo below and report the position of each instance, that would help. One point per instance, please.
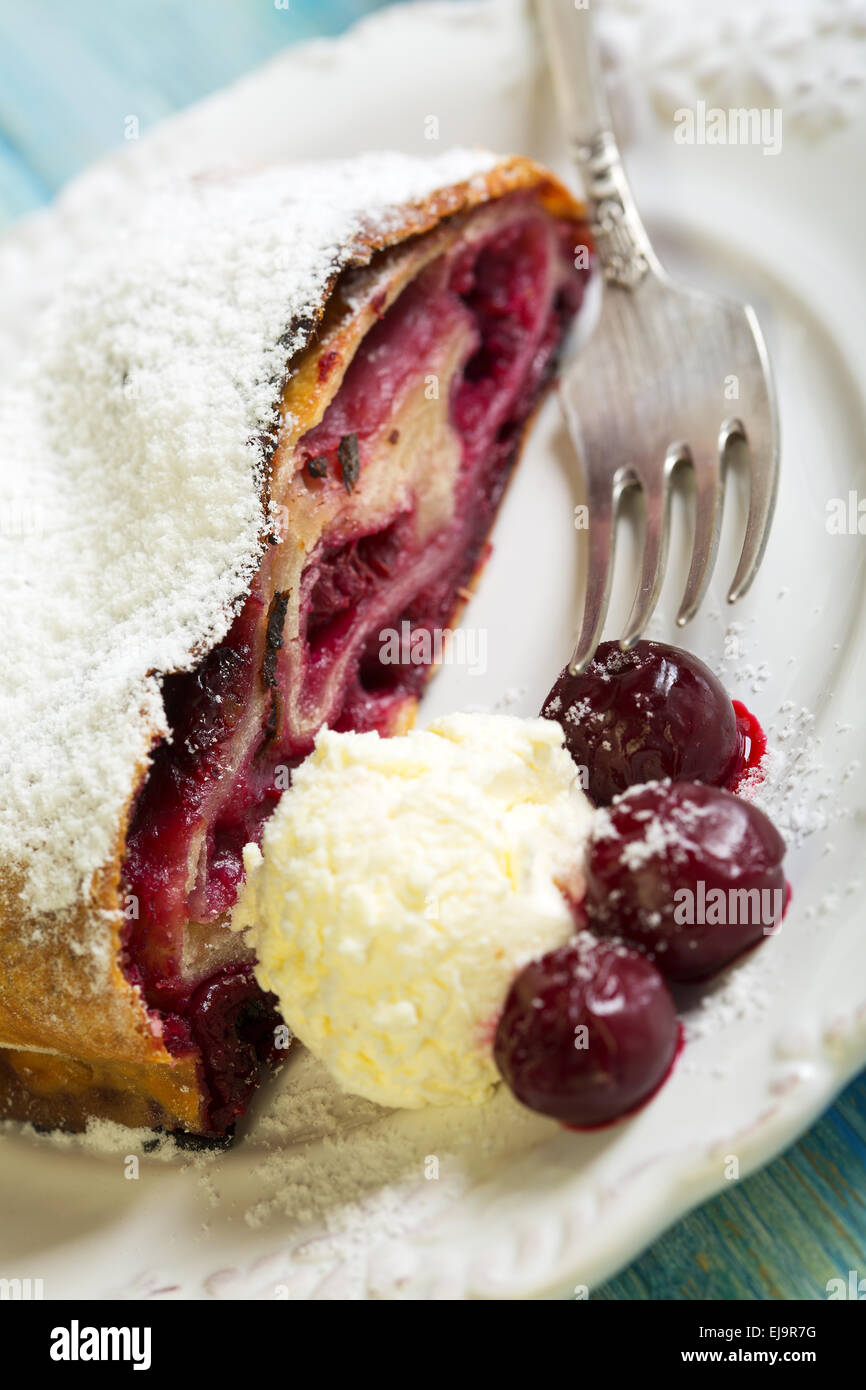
(75, 1038)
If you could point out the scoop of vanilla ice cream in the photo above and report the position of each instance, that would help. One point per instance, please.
(403, 883)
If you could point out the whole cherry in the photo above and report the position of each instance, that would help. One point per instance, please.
(588, 1032)
(646, 714)
(690, 873)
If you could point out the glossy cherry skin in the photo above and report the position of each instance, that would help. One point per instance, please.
(667, 867)
(588, 1033)
(644, 715)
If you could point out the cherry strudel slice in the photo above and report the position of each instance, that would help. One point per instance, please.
(425, 305)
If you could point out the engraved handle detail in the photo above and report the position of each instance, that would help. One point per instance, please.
(624, 249)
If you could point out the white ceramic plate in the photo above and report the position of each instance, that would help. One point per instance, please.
(328, 1197)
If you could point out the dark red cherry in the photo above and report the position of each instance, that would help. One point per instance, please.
(646, 714)
(690, 873)
(588, 1032)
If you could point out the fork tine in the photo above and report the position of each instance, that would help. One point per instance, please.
(602, 501)
(763, 485)
(655, 550)
(762, 438)
(708, 524)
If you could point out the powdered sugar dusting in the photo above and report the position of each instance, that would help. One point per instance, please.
(106, 1139)
(659, 838)
(349, 1147)
(792, 784)
(738, 993)
(132, 472)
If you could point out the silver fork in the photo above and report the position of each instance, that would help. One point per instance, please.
(648, 394)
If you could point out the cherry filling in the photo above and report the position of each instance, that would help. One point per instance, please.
(514, 298)
(234, 1025)
(478, 329)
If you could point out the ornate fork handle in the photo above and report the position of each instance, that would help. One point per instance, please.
(624, 249)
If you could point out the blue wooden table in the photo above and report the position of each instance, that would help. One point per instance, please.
(69, 75)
